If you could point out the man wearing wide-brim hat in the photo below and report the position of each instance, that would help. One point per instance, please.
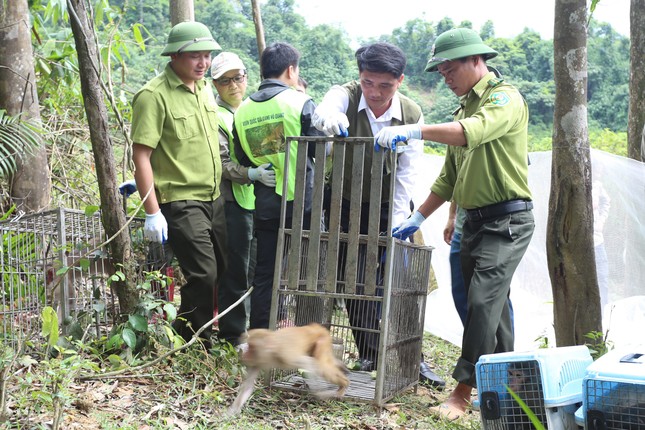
(178, 167)
(486, 173)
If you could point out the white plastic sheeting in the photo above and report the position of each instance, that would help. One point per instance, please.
(624, 235)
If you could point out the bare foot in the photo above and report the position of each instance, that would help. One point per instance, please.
(456, 404)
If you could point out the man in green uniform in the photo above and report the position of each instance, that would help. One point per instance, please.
(486, 173)
(178, 170)
(262, 121)
(229, 79)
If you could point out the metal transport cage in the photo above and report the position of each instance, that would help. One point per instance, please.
(34, 251)
(364, 286)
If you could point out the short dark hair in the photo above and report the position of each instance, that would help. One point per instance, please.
(301, 81)
(276, 58)
(381, 57)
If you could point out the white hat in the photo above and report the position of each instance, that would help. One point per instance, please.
(224, 62)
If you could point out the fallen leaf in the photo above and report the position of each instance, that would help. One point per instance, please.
(154, 409)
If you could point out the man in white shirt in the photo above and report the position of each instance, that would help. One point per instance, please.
(361, 109)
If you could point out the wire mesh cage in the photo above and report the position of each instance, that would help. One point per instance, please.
(548, 381)
(368, 288)
(57, 258)
(614, 391)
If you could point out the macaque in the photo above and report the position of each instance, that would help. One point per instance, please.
(524, 380)
(308, 347)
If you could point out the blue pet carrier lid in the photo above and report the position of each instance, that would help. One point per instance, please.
(561, 371)
(620, 364)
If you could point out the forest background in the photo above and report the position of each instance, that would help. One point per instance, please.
(131, 35)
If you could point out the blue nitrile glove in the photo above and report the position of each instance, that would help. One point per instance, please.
(389, 136)
(156, 228)
(330, 122)
(409, 226)
(263, 173)
(128, 188)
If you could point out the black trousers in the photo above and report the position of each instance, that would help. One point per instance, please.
(235, 280)
(266, 235)
(197, 235)
(363, 315)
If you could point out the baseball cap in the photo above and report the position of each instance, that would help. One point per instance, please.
(224, 62)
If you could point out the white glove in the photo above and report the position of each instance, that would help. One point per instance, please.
(409, 226)
(389, 136)
(156, 228)
(263, 173)
(330, 122)
(128, 188)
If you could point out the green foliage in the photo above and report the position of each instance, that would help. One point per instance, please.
(232, 29)
(534, 419)
(609, 141)
(17, 276)
(148, 326)
(327, 60)
(598, 344)
(50, 325)
(608, 77)
(18, 140)
(414, 39)
(540, 139)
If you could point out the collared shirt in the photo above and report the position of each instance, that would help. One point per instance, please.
(182, 129)
(408, 162)
(493, 166)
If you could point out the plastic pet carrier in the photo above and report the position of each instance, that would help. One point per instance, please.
(614, 391)
(548, 381)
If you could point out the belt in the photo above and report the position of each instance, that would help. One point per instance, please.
(498, 209)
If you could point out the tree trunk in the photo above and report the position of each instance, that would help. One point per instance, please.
(635, 127)
(31, 184)
(570, 250)
(636, 122)
(181, 10)
(259, 28)
(112, 214)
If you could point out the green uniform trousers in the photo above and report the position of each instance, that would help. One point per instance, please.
(491, 250)
(197, 235)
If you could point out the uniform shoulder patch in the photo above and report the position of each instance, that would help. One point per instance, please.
(499, 98)
(495, 82)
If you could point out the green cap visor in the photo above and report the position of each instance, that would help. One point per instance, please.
(196, 44)
(459, 52)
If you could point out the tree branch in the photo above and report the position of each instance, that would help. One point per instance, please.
(169, 353)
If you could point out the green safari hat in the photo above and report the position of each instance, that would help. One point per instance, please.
(190, 37)
(457, 43)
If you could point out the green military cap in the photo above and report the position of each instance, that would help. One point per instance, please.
(457, 43)
(190, 37)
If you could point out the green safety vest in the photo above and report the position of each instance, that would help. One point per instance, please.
(243, 193)
(262, 128)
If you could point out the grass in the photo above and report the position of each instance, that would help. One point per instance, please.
(193, 389)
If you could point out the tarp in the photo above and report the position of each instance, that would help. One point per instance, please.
(623, 180)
